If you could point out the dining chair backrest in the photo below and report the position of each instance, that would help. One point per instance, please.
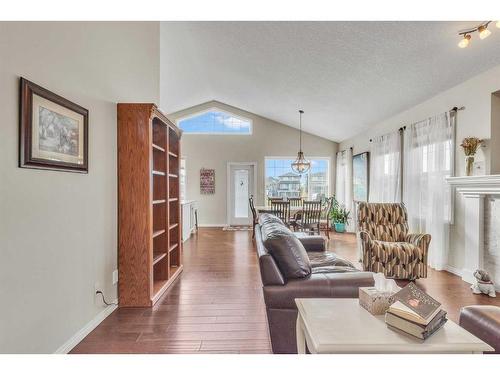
(311, 212)
(327, 207)
(282, 210)
(295, 202)
(274, 199)
(252, 208)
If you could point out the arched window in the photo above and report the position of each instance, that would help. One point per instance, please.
(215, 121)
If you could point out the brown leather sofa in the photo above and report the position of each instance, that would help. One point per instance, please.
(292, 267)
(483, 321)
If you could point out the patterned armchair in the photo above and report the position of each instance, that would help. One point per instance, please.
(387, 246)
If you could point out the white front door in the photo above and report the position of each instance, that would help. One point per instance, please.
(241, 186)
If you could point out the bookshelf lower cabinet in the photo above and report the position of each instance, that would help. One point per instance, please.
(150, 250)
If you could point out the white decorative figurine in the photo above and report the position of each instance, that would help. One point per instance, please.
(483, 284)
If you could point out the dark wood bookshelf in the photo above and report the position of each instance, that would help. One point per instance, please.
(150, 247)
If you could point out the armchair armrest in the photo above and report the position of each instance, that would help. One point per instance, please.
(421, 240)
(365, 237)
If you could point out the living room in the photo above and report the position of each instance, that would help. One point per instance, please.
(224, 184)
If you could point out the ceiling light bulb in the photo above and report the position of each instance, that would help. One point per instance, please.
(483, 32)
(465, 41)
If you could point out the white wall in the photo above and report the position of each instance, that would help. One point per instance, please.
(269, 138)
(58, 230)
(475, 120)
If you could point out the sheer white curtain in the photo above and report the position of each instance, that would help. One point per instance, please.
(428, 159)
(385, 168)
(343, 184)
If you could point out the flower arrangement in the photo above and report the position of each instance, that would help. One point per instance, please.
(470, 145)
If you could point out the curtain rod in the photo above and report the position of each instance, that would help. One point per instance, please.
(454, 109)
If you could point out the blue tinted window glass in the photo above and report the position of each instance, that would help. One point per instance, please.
(215, 122)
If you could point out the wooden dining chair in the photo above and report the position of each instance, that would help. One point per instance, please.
(282, 210)
(270, 200)
(295, 201)
(310, 217)
(255, 218)
(325, 222)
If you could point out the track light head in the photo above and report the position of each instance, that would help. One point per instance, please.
(465, 41)
(483, 31)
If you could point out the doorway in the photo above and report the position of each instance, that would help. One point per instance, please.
(241, 184)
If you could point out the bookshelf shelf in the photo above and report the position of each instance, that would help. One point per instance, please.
(150, 250)
(158, 257)
(156, 147)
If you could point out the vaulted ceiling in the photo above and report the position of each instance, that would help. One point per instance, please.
(346, 76)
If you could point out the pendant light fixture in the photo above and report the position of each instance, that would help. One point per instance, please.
(301, 164)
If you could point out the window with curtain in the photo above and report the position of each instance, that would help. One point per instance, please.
(343, 184)
(385, 168)
(428, 160)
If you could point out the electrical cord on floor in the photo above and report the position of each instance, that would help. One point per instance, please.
(104, 299)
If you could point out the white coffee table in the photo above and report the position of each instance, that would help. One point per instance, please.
(341, 325)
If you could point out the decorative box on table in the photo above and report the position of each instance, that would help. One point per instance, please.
(375, 301)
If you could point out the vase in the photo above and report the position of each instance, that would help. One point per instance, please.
(469, 165)
(339, 227)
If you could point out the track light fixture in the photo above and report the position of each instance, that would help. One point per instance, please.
(465, 41)
(482, 30)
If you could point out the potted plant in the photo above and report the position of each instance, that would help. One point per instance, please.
(339, 216)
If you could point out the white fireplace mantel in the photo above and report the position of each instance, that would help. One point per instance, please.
(476, 185)
(474, 189)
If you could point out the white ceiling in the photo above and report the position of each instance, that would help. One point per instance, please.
(346, 76)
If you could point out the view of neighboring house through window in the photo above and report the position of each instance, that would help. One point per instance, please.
(215, 121)
(282, 182)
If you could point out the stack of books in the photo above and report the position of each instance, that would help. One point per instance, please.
(415, 312)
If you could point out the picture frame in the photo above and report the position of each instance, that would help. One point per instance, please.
(361, 176)
(53, 131)
(207, 181)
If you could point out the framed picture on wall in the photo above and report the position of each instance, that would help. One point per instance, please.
(360, 176)
(53, 132)
(207, 181)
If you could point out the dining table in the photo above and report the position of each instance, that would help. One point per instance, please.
(268, 209)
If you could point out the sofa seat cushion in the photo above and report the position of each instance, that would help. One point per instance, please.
(327, 258)
(287, 251)
(330, 262)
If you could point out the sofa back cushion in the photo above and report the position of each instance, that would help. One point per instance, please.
(384, 221)
(288, 252)
(269, 219)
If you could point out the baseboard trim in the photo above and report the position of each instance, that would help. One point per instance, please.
(212, 225)
(89, 327)
(453, 270)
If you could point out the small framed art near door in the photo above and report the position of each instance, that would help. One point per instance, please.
(53, 131)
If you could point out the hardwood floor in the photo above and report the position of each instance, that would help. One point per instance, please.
(217, 306)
